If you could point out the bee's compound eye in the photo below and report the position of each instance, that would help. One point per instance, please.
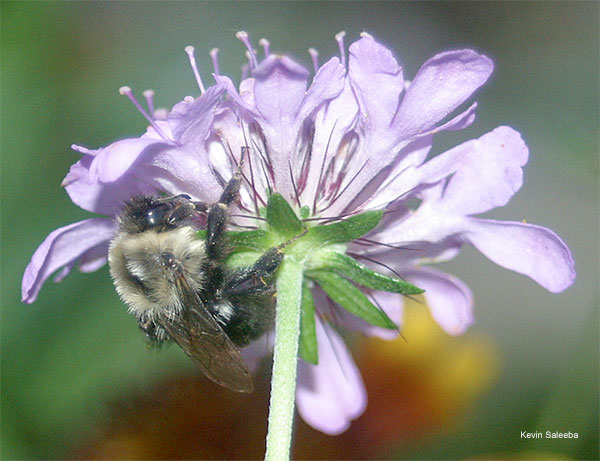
(157, 214)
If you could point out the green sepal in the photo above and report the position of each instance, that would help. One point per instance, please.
(351, 298)
(258, 240)
(308, 332)
(347, 230)
(282, 218)
(361, 274)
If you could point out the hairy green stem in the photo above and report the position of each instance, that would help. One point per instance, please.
(285, 360)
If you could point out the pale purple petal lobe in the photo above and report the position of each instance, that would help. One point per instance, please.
(331, 394)
(327, 84)
(525, 248)
(378, 82)
(333, 120)
(449, 299)
(490, 172)
(113, 161)
(63, 247)
(442, 84)
(191, 122)
(460, 122)
(279, 90)
(106, 199)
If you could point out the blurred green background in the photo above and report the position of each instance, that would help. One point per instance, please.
(75, 349)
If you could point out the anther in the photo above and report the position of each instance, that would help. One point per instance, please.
(339, 37)
(214, 55)
(242, 36)
(314, 56)
(190, 52)
(245, 71)
(83, 150)
(161, 113)
(125, 90)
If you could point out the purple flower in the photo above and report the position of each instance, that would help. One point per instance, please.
(355, 138)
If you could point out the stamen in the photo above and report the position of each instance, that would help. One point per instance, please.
(266, 46)
(248, 216)
(321, 171)
(240, 226)
(374, 261)
(338, 195)
(149, 95)
(255, 195)
(294, 184)
(339, 217)
(242, 36)
(190, 52)
(314, 56)
(339, 37)
(374, 300)
(366, 241)
(263, 152)
(83, 150)
(306, 159)
(249, 58)
(125, 90)
(214, 55)
(245, 71)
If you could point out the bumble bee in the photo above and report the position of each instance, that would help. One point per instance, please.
(179, 288)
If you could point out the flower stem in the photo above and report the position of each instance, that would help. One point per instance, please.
(285, 360)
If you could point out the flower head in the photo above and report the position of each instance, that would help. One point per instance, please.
(346, 153)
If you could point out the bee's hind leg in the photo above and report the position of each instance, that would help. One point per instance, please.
(155, 334)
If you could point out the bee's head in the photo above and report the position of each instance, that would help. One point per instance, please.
(143, 213)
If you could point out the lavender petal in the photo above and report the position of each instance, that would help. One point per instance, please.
(63, 247)
(525, 248)
(331, 394)
(450, 300)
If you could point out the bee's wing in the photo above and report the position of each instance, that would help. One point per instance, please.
(203, 340)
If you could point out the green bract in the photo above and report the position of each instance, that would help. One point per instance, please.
(320, 251)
